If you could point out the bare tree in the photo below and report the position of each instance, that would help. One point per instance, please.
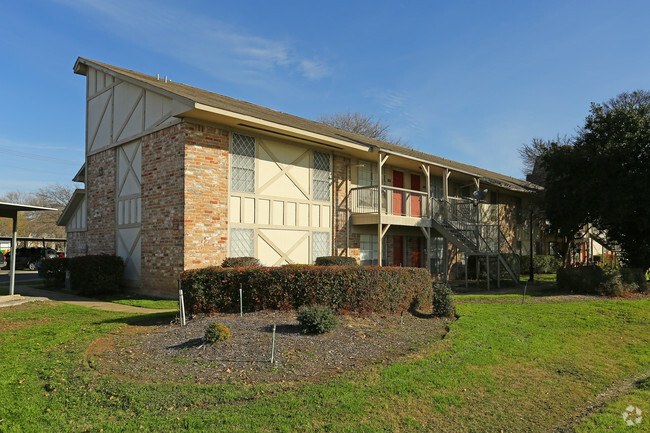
(362, 124)
(530, 153)
(38, 224)
(632, 99)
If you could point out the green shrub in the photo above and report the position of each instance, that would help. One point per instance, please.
(635, 276)
(317, 319)
(336, 261)
(240, 262)
(584, 279)
(52, 271)
(542, 264)
(362, 289)
(612, 284)
(94, 275)
(443, 303)
(217, 332)
(596, 280)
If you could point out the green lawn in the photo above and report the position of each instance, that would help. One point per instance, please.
(142, 301)
(502, 366)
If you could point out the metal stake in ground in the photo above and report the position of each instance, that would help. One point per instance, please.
(181, 303)
(524, 297)
(241, 302)
(273, 345)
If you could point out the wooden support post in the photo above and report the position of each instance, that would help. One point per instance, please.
(427, 174)
(380, 163)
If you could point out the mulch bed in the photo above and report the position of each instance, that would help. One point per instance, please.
(170, 353)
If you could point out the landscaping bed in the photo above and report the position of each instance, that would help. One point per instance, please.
(179, 354)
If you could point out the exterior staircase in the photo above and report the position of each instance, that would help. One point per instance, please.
(460, 222)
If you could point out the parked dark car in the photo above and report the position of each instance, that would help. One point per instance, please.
(28, 258)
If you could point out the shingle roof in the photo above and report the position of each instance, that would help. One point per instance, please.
(216, 100)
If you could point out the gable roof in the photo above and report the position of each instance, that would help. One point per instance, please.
(195, 96)
(68, 212)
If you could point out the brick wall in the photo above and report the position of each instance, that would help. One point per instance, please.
(206, 195)
(100, 192)
(508, 218)
(162, 210)
(76, 245)
(341, 224)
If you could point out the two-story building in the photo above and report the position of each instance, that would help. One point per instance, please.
(177, 178)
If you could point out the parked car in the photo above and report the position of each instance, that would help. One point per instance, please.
(29, 258)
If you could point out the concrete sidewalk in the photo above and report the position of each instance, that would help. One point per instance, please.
(32, 294)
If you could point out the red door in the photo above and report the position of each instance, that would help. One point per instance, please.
(416, 200)
(398, 251)
(415, 252)
(398, 196)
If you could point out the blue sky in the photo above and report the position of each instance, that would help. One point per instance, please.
(468, 81)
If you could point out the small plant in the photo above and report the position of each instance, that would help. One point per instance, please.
(443, 304)
(317, 319)
(240, 262)
(217, 332)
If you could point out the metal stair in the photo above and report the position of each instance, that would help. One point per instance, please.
(459, 223)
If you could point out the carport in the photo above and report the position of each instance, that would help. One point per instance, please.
(10, 210)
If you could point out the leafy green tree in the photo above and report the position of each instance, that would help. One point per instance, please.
(603, 178)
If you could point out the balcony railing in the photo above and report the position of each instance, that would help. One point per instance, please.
(395, 201)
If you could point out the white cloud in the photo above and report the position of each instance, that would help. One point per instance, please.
(220, 48)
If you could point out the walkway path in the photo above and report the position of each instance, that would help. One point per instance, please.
(31, 294)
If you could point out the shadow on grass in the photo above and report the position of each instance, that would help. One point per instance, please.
(150, 319)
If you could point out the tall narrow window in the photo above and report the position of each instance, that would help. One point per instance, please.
(242, 243)
(321, 177)
(320, 245)
(243, 163)
(367, 176)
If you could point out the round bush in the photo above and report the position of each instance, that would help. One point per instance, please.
(443, 304)
(216, 332)
(240, 262)
(317, 319)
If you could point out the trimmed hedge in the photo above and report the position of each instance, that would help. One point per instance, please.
(584, 279)
(93, 275)
(361, 289)
(635, 276)
(336, 261)
(52, 271)
(595, 280)
(542, 264)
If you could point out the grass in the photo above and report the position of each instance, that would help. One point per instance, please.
(142, 301)
(502, 367)
(610, 418)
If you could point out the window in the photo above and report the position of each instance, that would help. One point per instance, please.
(437, 255)
(243, 163)
(436, 187)
(321, 177)
(242, 243)
(368, 253)
(320, 245)
(367, 176)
